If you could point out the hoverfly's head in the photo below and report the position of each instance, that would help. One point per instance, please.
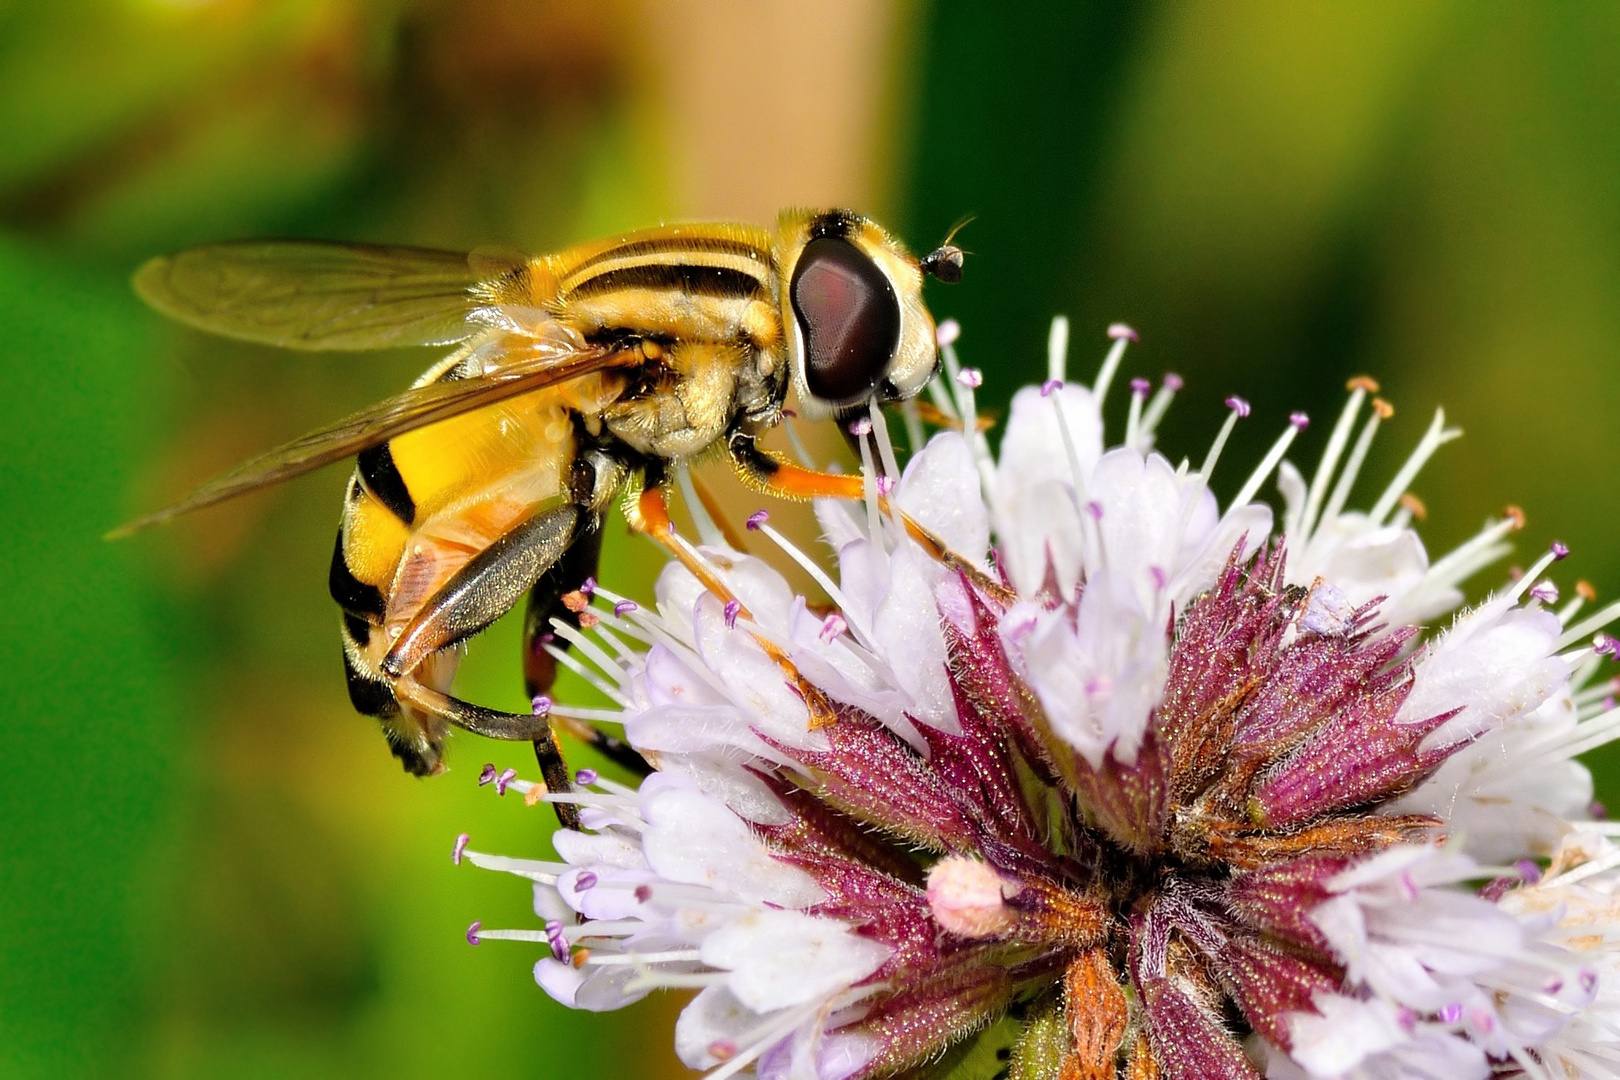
(856, 329)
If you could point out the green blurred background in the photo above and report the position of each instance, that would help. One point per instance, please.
(208, 865)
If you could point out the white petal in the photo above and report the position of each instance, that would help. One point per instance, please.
(694, 838)
(782, 958)
(940, 489)
(1037, 512)
(1032, 449)
(714, 1020)
(906, 626)
(756, 683)
(1099, 679)
(1495, 663)
(1347, 1032)
(560, 980)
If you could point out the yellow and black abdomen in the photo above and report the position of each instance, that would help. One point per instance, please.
(417, 509)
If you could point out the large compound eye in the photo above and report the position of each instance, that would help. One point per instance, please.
(849, 317)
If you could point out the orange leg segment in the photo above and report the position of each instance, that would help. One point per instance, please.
(650, 516)
(786, 480)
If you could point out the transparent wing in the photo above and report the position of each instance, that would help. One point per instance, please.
(302, 294)
(546, 364)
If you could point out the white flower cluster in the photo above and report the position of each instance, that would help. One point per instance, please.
(712, 875)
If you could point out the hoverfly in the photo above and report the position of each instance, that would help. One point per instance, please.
(574, 376)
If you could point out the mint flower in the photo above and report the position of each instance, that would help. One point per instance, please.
(1161, 789)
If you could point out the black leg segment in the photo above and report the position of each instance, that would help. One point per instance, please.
(486, 588)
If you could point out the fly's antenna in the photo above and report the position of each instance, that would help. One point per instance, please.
(944, 263)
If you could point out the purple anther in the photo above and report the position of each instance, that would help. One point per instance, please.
(791, 414)
(1299, 420)
(1450, 1014)
(1140, 387)
(540, 704)
(1552, 985)
(643, 893)
(1238, 405)
(546, 638)
(1119, 331)
(1173, 382)
(1560, 550)
(970, 377)
(733, 609)
(625, 607)
(586, 880)
(486, 775)
(948, 332)
(559, 943)
(1588, 979)
(1529, 871)
(885, 484)
(1050, 387)
(1481, 1020)
(1545, 591)
(1095, 509)
(586, 777)
(759, 517)
(1407, 1019)
(472, 932)
(506, 777)
(461, 845)
(861, 427)
(832, 626)
(1160, 578)
(588, 586)
(1596, 810)
(1603, 644)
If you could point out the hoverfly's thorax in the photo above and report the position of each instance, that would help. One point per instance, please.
(852, 312)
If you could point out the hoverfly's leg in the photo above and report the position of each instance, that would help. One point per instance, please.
(609, 746)
(483, 590)
(649, 515)
(567, 575)
(508, 727)
(546, 603)
(487, 587)
(768, 473)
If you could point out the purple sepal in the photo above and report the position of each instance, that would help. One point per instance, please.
(1277, 899)
(1361, 756)
(1188, 1042)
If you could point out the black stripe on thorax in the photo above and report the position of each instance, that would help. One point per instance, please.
(721, 282)
(382, 479)
(715, 244)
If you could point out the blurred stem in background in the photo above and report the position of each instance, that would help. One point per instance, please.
(211, 866)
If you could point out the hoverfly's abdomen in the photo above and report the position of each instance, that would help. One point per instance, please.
(418, 508)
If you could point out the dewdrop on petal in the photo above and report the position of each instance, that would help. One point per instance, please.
(1145, 785)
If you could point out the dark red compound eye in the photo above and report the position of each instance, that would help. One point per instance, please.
(849, 317)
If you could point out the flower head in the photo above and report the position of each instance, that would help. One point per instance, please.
(1136, 785)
